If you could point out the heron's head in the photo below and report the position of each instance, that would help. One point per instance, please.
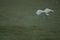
(49, 10)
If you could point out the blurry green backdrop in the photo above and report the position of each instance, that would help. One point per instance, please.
(18, 20)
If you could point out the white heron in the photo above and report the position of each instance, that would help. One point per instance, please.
(46, 11)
